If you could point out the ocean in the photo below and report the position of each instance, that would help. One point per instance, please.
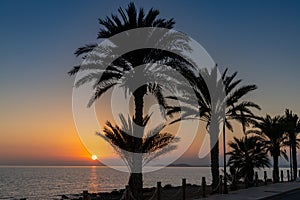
(52, 182)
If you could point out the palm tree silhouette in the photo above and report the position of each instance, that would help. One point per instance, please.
(246, 154)
(218, 98)
(236, 109)
(115, 72)
(154, 142)
(292, 128)
(272, 132)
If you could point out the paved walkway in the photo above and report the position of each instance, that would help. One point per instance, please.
(262, 192)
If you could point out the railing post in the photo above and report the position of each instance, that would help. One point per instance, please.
(183, 188)
(265, 177)
(158, 187)
(220, 184)
(288, 175)
(256, 179)
(127, 197)
(281, 175)
(299, 173)
(246, 182)
(203, 187)
(85, 194)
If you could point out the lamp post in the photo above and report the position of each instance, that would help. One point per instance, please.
(224, 149)
(291, 168)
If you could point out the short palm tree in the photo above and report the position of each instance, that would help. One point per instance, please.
(246, 154)
(154, 142)
(292, 129)
(272, 132)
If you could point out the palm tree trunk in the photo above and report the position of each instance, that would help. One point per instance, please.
(275, 169)
(215, 165)
(214, 153)
(136, 185)
(136, 177)
(250, 176)
(294, 155)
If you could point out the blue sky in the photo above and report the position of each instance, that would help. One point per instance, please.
(259, 39)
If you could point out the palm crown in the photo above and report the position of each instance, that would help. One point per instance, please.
(154, 142)
(272, 132)
(246, 154)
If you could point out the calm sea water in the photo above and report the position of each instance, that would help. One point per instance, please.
(51, 182)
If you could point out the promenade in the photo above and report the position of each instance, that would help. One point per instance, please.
(262, 192)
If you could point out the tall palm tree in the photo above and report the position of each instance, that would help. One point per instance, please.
(237, 109)
(217, 99)
(131, 18)
(246, 154)
(272, 132)
(292, 128)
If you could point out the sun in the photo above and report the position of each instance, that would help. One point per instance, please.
(94, 157)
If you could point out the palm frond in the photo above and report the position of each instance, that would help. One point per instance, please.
(74, 70)
(239, 93)
(100, 90)
(85, 49)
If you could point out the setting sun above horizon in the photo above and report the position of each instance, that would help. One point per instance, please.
(94, 157)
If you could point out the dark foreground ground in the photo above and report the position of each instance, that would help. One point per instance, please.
(287, 190)
(294, 195)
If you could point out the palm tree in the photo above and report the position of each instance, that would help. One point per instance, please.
(246, 120)
(247, 153)
(272, 132)
(292, 128)
(154, 142)
(131, 18)
(236, 109)
(217, 99)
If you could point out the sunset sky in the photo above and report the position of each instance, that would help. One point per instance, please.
(259, 39)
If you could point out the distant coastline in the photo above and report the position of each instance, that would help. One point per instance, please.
(102, 165)
(186, 165)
